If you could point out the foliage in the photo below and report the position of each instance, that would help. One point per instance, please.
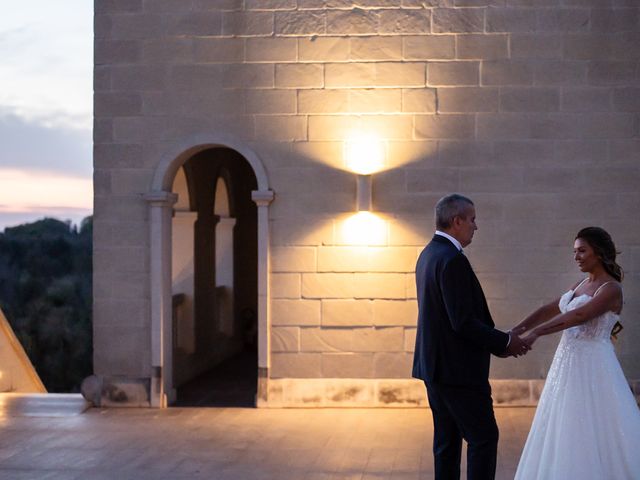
(45, 293)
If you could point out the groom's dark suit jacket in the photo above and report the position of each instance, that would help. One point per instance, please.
(456, 333)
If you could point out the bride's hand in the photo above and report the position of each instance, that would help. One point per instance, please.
(518, 330)
(530, 338)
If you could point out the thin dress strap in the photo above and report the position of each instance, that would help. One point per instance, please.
(605, 283)
(580, 284)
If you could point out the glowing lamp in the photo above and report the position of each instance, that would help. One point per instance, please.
(364, 155)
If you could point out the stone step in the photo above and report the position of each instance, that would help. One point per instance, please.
(42, 404)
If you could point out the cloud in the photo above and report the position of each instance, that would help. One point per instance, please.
(31, 146)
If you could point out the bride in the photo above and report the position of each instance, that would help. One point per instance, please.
(587, 424)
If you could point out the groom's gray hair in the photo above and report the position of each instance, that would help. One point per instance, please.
(449, 207)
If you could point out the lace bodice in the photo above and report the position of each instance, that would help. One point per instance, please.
(598, 328)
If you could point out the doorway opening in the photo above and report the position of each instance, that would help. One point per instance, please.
(215, 281)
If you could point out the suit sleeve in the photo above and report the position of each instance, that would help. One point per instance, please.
(457, 285)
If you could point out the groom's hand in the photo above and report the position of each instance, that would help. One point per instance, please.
(517, 346)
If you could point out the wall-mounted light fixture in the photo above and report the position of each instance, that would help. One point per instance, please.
(364, 156)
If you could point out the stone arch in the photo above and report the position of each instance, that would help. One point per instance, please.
(161, 200)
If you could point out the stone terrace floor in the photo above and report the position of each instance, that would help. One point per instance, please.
(234, 443)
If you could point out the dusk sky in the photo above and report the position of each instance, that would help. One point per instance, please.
(45, 110)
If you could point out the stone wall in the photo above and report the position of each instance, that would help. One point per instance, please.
(530, 107)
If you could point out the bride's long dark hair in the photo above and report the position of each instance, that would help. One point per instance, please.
(603, 246)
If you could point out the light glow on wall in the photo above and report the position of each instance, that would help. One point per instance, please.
(364, 228)
(364, 154)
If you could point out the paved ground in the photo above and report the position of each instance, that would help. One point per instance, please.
(234, 443)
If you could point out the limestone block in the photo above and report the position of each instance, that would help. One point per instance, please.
(394, 312)
(375, 48)
(301, 22)
(458, 20)
(345, 393)
(372, 259)
(272, 49)
(401, 393)
(307, 231)
(433, 179)
(524, 152)
(332, 127)
(536, 46)
(502, 126)
(402, 22)
(293, 259)
(429, 47)
(378, 339)
(327, 285)
(118, 6)
(247, 23)
(285, 285)
(281, 128)
(492, 179)
(115, 155)
(374, 101)
(410, 286)
(215, 49)
(130, 181)
(379, 285)
(303, 393)
(388, 127)
(586, 99)
(323, 49)
(610, 20)
(353, 22)
(343, 313)
(389, 74)
(529, 100)
(507, 72)
(587, 47)
(554, 72)
(511, 392)
(486, 47)
(101, 79)
(468, 99)
(403, 232)
(295, 312)
(116, 51)
(323, 101)
(268, 4)
(410, 339)
(298, 75)
(194, 77)
(419, 100)
(510, 19)
(201, 23)
(165, 6)
(271, 101)
(326, 339)
(453, 73)
(626, 99)
(116, 104)
(134, 26)
(121, 312)
(285, 339)
(107, 391)
(623, 151)
(112, 351)
(565, 20)
(350, 75)
(392, 365)
(295, 365)
(444, 126)
(611, 73)
(411, 153)
(347, 365)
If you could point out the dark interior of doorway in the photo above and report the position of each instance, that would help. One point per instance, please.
(232, 383)
(225, 364)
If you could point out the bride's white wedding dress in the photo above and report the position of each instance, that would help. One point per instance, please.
(587, 424)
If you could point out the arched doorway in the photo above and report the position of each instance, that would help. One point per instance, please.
(161, 202)
(214, 281)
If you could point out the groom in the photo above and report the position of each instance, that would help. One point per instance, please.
(454, 342)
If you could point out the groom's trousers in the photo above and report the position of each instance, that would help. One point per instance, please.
(463, 412)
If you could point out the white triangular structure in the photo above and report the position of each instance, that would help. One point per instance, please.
(16, 370)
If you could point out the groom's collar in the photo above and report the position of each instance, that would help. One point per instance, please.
(455, 242)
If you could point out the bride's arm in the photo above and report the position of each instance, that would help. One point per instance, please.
(541, 315)
(608, 299)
